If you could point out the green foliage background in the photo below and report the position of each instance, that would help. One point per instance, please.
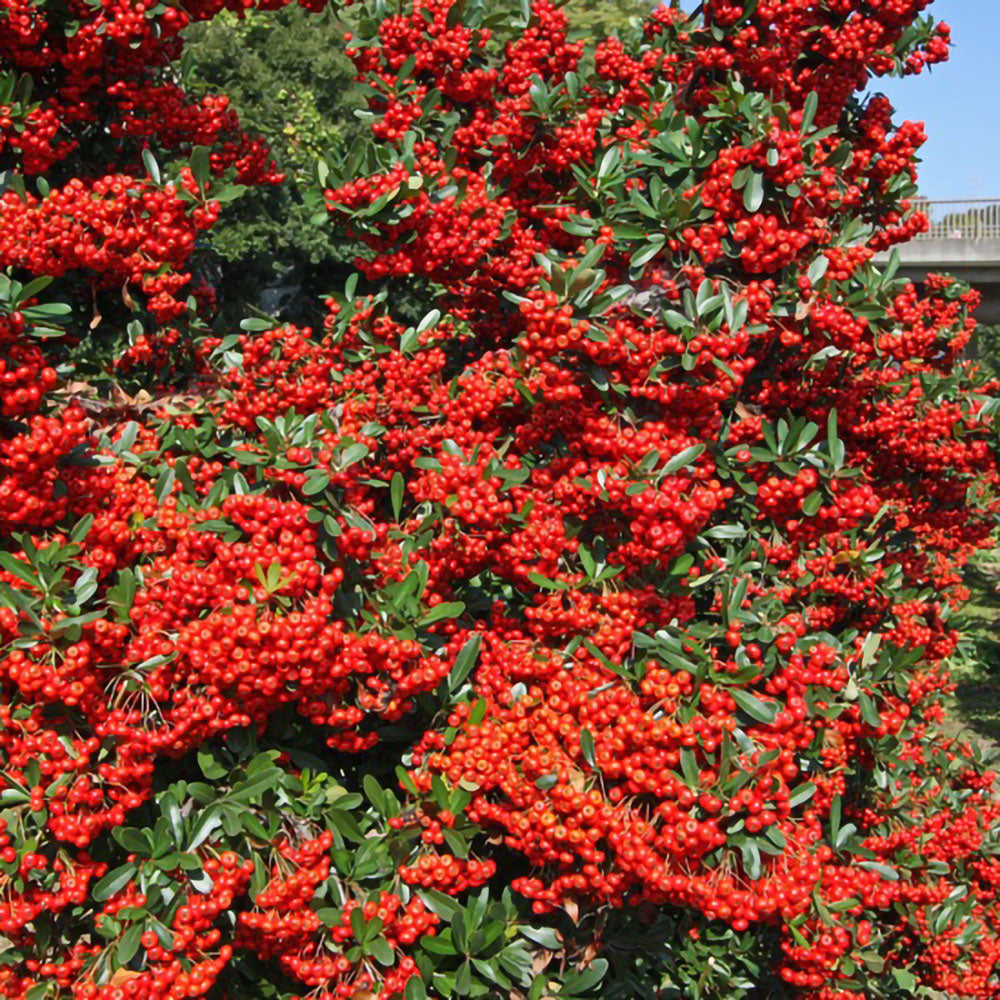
(288, 78)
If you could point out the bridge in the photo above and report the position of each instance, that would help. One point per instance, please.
(963, 240)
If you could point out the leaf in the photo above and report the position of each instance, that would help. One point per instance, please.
(646, 254)
(131, 839)
(683, 458)
(316, 483)
(763, 712)
(128, 945)
(199, 164)
(114, 882)
(405, 781)
(19, 569)
(152, 167)
(835, 808)
(207, 823)
(172, 812)
(381, 951)
(209, 766)
(457, 844)
(547, 937)
(464, 663)
(415, 989)
(446, 609)
(818, 268)
(834, 444)
(689, 767)
(753, 193)
(868, 711)
(396, 488)
(591, 976)
(587, 747)
(812, 503)
(809, 109)
(255, 323)
(375, 793)
(32, 288)
(890, 874)
(352, 453)
(869, 649)
(803, 793)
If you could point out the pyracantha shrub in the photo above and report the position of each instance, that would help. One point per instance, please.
(585, 639)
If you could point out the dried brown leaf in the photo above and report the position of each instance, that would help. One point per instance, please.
(541, 960)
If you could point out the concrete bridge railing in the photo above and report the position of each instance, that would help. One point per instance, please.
(973, 219)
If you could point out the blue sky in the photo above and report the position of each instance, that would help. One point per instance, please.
(959, 102)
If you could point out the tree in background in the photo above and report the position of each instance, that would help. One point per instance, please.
(286, 75)
(595, 19)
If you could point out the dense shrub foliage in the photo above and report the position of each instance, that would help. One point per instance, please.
(585, 638)
(286, 75)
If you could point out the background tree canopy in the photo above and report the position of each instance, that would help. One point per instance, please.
(286, 75)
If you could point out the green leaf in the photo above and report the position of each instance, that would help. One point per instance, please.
(809, 109)
(376, 794)
(834, 444)
(835, 808)
(753, 193)
(647, 253)
(869, 649)
(151, 165)
(172, 811)
(446, 609)
(32, 288)
(415, 989)
(209, 766)
(396, 488)
(682, 459)
(464, 663)
(689, 767)
(199, 164)
(545, 936)
(353, 453)
(381, 951)
(812, 503)
(131, 839)
(255, 323)
(890, 874)
(209, 821)
(114, 882)
(587, 747)
(316, 483)
(128, 944)
(19, 569)
(868, 711)
(763, 712)
(802, 793)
